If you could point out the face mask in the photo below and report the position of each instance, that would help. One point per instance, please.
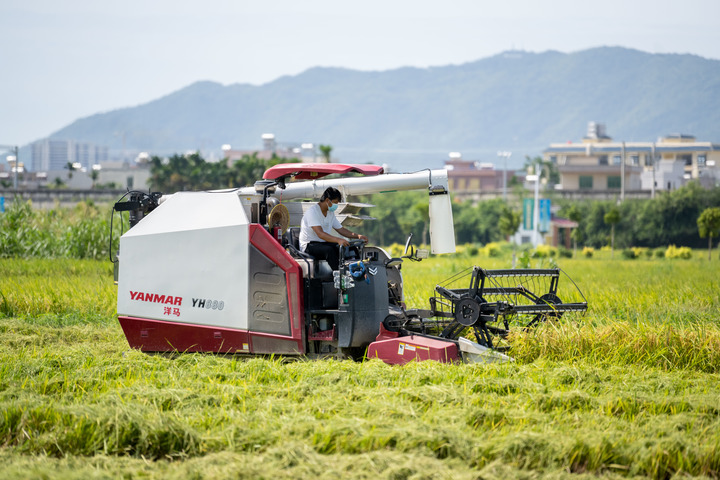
(333, 207)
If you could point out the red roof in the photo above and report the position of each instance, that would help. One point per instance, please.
(308, 171)
(564, 223)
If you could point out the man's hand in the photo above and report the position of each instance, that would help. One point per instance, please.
(342, 242)
(347, 233)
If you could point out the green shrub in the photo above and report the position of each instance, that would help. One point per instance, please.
(588, 252)
(629, 253)
(524, 259)
(544, 251)
(395, 250)
(678, 252)
(492, 249)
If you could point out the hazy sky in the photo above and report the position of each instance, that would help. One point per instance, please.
(66, 59)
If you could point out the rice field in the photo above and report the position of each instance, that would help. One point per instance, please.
(629, 390)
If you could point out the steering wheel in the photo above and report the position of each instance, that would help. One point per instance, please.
(355, 246)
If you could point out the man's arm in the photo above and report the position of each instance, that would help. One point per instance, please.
(329, 238)
(347, 233)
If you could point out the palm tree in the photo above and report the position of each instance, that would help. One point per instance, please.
(70, 168)
(612, 217)
(94, 174)
(509, 223)
(325, 150)
(575, 215)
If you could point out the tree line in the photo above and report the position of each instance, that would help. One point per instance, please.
(192, 172)
(671, 218)
(688, 216)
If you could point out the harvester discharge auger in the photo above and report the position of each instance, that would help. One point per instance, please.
(222, 272)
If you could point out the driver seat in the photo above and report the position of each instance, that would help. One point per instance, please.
(311, 267)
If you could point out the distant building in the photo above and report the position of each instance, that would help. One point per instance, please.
(135, 176)
(597, 162)
(305, 152)
(561, 232)
(54, 155)
(667, 175)
(466, 176)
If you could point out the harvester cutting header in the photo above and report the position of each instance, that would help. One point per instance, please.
(222, 271)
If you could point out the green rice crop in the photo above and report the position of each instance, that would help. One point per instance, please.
(629, 390)
(57, 291)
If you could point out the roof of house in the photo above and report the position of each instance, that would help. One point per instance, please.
(633, 148)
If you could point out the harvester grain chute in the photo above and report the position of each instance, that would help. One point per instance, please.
(222, 272)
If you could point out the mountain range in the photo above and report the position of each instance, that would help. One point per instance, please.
(412, 117)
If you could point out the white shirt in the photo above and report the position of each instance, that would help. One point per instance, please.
(315, 218)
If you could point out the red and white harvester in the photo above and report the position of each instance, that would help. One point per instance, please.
(221, 271)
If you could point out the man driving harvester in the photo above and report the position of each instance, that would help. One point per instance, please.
(316, 228)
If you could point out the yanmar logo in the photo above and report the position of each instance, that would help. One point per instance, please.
(155, 298)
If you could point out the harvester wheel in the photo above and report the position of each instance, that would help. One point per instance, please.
(467, 311)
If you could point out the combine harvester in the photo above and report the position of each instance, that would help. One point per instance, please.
(221, 272)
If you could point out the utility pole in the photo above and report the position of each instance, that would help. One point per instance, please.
(506, 156)
(652, 152)
(536, 205)
(622, 173)
(536, 209)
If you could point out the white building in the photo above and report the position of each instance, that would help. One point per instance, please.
(667, 175)
(54, 155)
(599, 163)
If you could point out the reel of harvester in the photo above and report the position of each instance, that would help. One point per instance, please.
(495, 302)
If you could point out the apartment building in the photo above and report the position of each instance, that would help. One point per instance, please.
(599, 163)
(49, 155)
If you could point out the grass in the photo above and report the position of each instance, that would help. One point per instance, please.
(630, 390)
(79, 232)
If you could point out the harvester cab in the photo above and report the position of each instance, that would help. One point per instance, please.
(222, 272)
